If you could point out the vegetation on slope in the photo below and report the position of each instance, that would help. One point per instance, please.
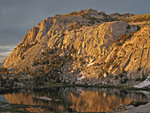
(136, 18)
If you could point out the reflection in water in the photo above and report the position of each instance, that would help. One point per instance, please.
(93, 101)
(21, 98)
(75, 99)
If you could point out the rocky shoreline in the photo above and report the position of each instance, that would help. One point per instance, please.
(140, 109)
(13, 81)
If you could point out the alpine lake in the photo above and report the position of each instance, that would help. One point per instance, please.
(70, 99)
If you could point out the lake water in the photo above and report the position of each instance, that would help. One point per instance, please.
(74, 99)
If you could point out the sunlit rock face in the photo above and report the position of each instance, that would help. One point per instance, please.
(95, 37)
(133, 56)
(130, 57)
(86, 31)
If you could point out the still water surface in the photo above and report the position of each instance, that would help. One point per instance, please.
(75, 99)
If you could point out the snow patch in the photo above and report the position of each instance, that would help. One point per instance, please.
(144, 83)
(82, 76)
(90, 64)
(44, 98)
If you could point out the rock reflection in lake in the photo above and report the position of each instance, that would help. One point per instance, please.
(74, 99)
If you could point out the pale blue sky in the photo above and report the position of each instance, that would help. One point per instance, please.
(17, 17)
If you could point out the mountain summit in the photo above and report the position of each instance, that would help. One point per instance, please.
(85, 46)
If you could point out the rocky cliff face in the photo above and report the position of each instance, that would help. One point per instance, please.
(132, 56)
(88, 36)
(128, 55)
(80, 30)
